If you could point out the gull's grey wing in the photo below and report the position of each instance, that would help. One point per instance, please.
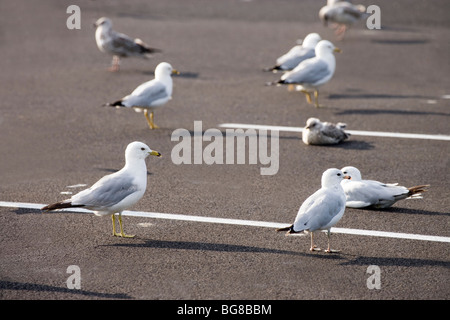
(146, 94)
(318, 210)
(123, 45)
(308, 71)
(289, 62)
(334, 132)
(108, 191)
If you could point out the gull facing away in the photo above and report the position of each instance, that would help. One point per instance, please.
(342, 14)
(310, 74)
(151, 94)
(369, 193)
(115, 192)
(322, 133)
(297, 54)
(323, 209)
(119, 45)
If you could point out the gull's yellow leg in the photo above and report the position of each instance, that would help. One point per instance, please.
(122, 234)
(114, 226)
(151, 118)
(308, 96)
(313, 246)
(316, 99)
(330, 250)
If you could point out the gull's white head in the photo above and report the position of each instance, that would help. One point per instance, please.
(313, 124)
(104, 23)
(332, 177)
(139, 151)
(325, 47)
(311, 40)
(164, 69)
(352, 172)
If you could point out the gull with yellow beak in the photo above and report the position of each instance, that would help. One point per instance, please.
(115, 192)
(310, 74)
(321, 210)
(150, 95)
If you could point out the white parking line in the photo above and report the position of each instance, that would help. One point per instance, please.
(251, 223)
(353, 132)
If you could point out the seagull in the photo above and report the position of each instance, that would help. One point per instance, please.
(119, 44)
(323, 209)
(310, 74)
(297, 54)
(343, 14)
(151, 94)
(115, 192)
(369, 193)
(318, 133)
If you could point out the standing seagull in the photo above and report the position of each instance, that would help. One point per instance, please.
(323, 209)
(312, 73)
(151, 94)
(343, 14)
(318, 133)
(119, 44)
(369, 193)
(297, 54)
(117, 191)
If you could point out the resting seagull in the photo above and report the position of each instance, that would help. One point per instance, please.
(369, 193)
(116, 192)
(297, 54)
(151, 94)
(322, 133)
(323, 209)
(312, 73)
(119, 44)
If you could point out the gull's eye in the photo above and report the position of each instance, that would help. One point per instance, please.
(339, 174)
(142, 149)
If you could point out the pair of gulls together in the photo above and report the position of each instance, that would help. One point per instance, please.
(117, 192)
(149, 95)
(340, 189)
(309, 66)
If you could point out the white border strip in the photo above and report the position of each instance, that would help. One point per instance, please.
(353, 132)
(272, 225)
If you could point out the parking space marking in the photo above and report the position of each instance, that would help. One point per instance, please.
(352, 132)
(252, 223)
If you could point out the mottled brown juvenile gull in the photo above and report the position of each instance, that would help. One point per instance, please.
(323, 133)
(119, 45)
(342, 14)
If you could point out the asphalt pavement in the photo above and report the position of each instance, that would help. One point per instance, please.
(55, 134)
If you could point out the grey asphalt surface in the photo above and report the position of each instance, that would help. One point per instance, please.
(54, 133)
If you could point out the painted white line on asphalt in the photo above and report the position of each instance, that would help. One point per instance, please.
(353, 132)
(265, 224)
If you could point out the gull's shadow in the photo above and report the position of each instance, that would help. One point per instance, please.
(183, 74)
(202, 246)
(348, 144)
(400, 210)
(21, 286)
(390, 111)
(375, 96)
(400, 41)
(399, 262)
